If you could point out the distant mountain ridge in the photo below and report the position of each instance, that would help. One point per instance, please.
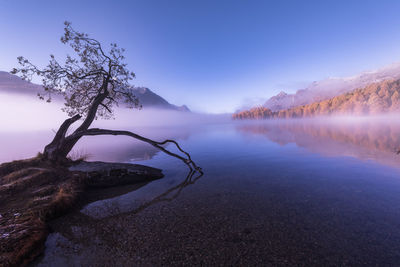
(376, 98)
(331, 87)
(13, 84)
(10, 83)
(148, 98)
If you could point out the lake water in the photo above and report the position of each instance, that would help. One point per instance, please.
(284, 193)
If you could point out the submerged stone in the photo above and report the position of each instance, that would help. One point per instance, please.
(104, 174)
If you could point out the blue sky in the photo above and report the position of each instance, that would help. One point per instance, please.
(215, 56)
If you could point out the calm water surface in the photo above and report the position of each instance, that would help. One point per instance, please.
(273, 193)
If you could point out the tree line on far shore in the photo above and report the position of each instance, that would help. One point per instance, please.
(377, 98)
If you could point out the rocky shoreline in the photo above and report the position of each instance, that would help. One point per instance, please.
(32, 192)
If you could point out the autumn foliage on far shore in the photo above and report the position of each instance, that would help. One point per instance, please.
(377, 98)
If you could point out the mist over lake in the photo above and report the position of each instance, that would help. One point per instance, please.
(325, 183)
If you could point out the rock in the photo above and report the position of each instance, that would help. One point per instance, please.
(106, 174)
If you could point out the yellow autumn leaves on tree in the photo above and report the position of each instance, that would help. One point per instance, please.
(377, 98)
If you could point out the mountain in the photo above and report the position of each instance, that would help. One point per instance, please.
(376, 98)
(10, 83)
(13, 84)
(331, 87)
(148, 98)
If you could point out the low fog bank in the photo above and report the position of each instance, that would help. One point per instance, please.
(22, 145)
(388, 118)
(26, 113)
(151, 117)
(22, 113)
(27, 124)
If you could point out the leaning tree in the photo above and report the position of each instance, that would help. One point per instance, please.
(92, 83)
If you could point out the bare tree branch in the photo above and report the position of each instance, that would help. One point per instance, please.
(96, 131)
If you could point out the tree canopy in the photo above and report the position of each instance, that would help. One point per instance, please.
(82, 78)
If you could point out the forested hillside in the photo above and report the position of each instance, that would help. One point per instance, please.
(377, 98)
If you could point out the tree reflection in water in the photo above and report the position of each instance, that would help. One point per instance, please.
(365, 139)
(173, 192)
(106, 203)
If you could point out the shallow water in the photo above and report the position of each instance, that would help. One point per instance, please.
(280, 193)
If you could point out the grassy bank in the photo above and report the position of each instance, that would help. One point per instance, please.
(33, 191)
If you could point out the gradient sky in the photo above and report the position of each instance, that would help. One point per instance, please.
(214, 56)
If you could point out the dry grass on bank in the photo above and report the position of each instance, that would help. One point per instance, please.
(32, 192)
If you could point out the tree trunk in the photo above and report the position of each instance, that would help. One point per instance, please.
(58, 149)
(55, 151)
